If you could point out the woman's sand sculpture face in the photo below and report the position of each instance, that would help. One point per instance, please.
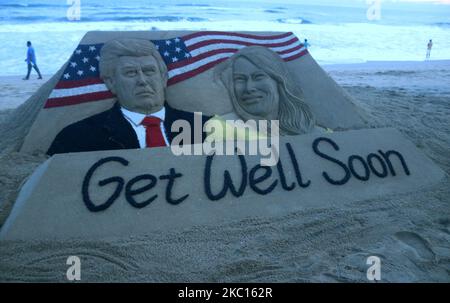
(256, 92)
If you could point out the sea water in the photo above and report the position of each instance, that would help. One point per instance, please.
(338, 31)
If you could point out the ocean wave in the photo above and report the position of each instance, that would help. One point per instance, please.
(29, 5)
(192, 4)
(272, 11)
(144, 18)
(441, 24)
(63, 5)
(395, 73)
(105, 17)
(25, 19)
(177, 19)
(294, 21)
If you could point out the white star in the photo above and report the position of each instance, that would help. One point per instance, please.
(174, 59)
(166, 54)
(93, 69)
(66, 76)
(168, 42)
(187, 55)
(177, 39)
(80, 72)
(85, 60)
(92, 48)
(177, 49)
(98, 58)
(73, 64)
(157, 47)
(78, 51)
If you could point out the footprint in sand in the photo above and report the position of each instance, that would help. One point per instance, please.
(446, 224)
(418, 244)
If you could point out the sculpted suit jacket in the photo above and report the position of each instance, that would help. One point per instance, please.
(109, 130)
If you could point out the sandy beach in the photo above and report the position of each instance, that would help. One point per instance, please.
(409, 232)
(15, 91)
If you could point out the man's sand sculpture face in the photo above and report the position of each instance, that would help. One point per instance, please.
(138, 84)
(256, 92)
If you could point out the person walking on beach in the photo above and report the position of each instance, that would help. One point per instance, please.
(429, 46)
(306, 43)
(31, 61)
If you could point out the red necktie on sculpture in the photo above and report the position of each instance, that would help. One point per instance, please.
(153, 134)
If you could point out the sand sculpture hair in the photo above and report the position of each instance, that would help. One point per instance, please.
(114, 49)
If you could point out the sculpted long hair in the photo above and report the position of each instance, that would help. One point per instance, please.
(294, 114)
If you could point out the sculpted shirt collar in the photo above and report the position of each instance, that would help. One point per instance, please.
(136, 118)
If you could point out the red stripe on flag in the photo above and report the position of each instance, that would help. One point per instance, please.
(194, 72)
(199, 34)
(200, 57)
(78, 83)
(290, 50)
(302, 53)
(64, 101)
(208, 42)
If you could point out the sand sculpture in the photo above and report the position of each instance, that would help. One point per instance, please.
(115, 186)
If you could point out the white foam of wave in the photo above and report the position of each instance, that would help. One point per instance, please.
(330, 43)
